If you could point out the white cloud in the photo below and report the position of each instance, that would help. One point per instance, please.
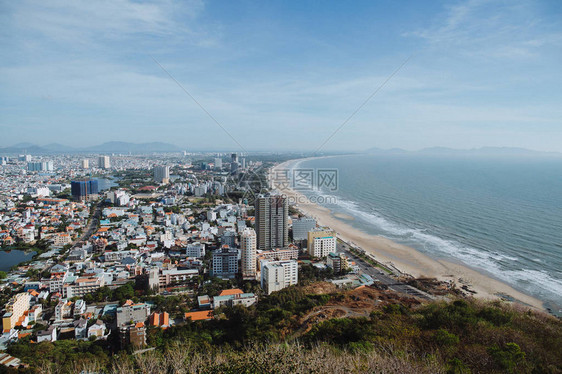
(86, 24)
(490, 29)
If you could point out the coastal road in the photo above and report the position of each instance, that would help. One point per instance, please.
(381, 276)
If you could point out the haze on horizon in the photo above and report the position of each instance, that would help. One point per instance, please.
(282, 76)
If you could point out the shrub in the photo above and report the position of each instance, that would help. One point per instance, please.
(445, 338)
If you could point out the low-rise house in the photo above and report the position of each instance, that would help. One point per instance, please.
(132, 313)
(9, 361)
(97, 329)
(79, 307)
(199, 315)
(48, 335)
(35, 312)
(63, 310)
(159, 319)
(234, 297)
(81, 329)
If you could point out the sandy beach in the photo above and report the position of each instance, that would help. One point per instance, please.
(406, 259)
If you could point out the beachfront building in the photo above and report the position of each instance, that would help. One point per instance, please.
(301, 227)
(272, 214)
(290, 253)
(276, 275)
(248, 256)
(321, 242)
(337, 261)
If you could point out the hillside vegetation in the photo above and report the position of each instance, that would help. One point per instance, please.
(275, 336)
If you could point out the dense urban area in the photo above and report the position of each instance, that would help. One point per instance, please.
(181, 262)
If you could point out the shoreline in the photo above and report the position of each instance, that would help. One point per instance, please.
(407, 259)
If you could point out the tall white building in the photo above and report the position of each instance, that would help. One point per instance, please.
(103, 162)
(248, 247)
(162, 174)
(120, 198)
(321, 242)
(40, 166)
(85, 163)
(276, 275)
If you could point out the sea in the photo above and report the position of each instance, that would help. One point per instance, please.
(502, 217)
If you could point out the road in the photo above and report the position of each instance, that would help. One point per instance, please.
(382, 277)
(91, 227)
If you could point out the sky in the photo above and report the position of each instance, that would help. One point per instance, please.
(281, 75)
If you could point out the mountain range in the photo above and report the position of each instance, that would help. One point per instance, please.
(108, 147)
(473, 152)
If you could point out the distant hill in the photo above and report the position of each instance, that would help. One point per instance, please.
(508, 152)
(22, 148)
(113, 147)
(57, 147)
(24, 145)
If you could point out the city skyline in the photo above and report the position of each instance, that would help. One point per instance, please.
(283, 76)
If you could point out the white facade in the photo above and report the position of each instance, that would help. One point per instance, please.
(195, 250)
(39, 191)
(276, 275)
(120, 198)
(321, 242)
(322, 246)
(103, 162)
(225, 262)
(82, 286)
(248, 244)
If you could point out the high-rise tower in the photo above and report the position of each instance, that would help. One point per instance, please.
(272, 214)
(248, 245)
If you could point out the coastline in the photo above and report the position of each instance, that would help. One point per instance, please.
(407, 259)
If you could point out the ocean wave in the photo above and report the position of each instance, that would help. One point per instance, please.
(535, 280)
(529, 280)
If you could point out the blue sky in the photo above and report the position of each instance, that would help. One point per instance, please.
(282, 75)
